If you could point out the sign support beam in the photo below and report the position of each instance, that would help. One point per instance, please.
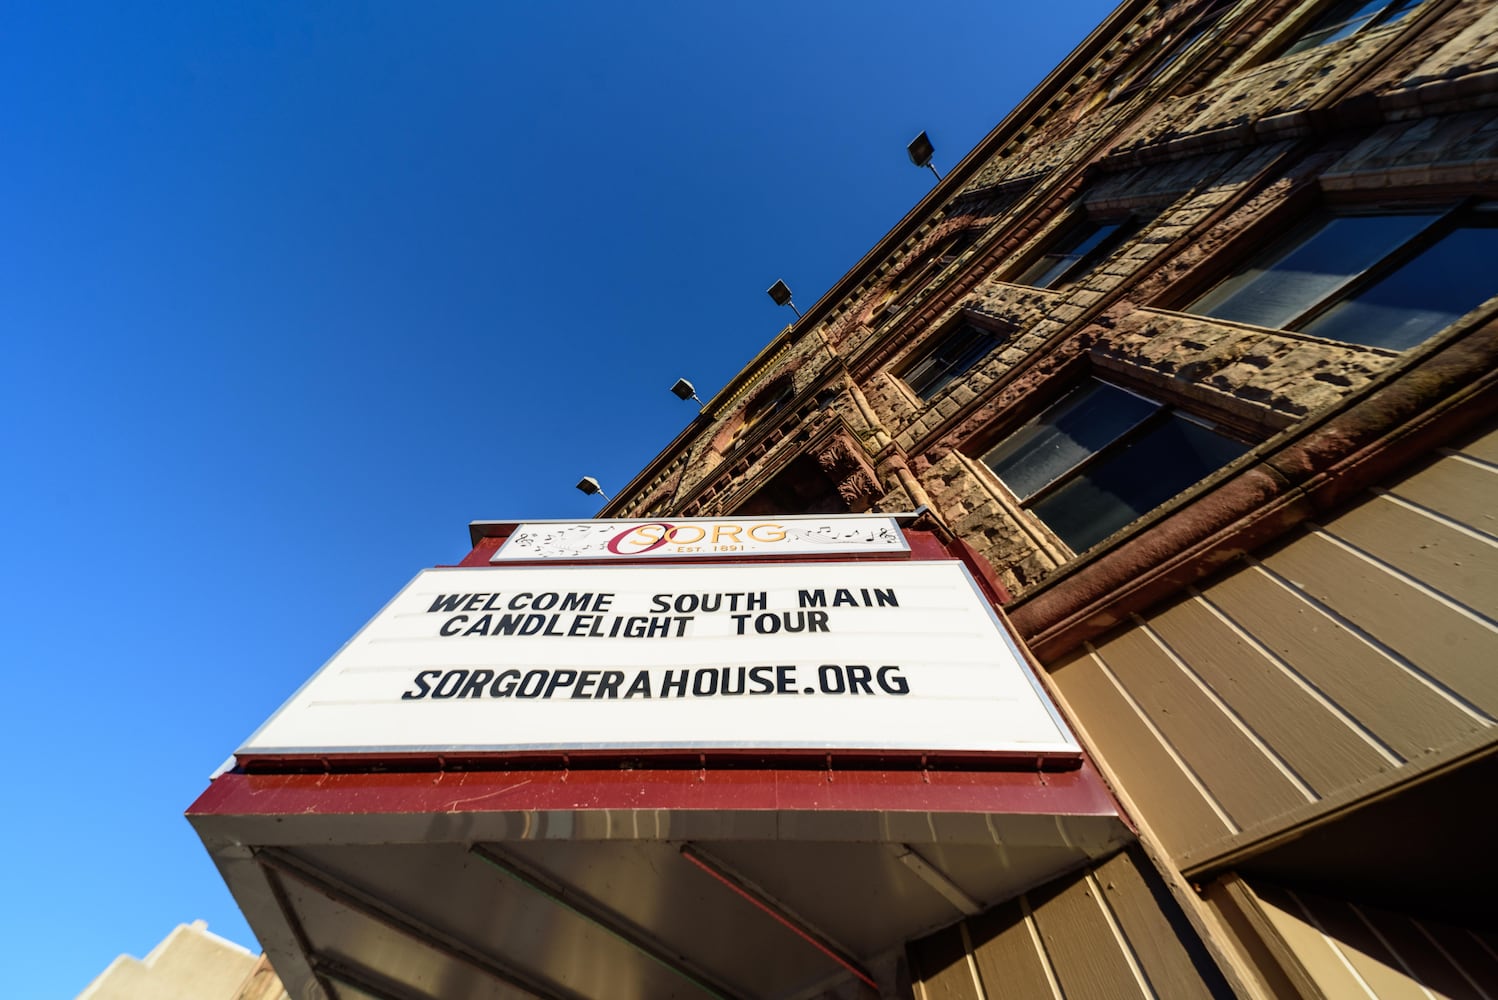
(601, 917)
(776, 910)
(381, 912)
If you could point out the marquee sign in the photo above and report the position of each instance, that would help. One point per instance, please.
(832, 655)
(701, 537)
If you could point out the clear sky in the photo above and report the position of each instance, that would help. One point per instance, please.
(291, 291)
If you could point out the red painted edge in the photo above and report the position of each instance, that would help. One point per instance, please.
(1078, 792)
(780, 918)
(982, 571)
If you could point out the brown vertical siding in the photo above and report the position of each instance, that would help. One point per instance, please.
(1458, 488)
(1008, 956)
(1179, 812)
(1483, 449)
(1150, 923)
(1089, 957)
(1445, 557)
(1244, 777)
(1313, 740)
(1382, 697)
(1444, 643)
(1357, 649)
(1110, 932)
(943, 967)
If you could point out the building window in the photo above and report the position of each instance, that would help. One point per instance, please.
(774, 398)
(1348, 17)
(768, 402)
(922, 272)
(1102, 457)
(953, 355)
(1166, 49)
(1388, 280)
(1073, 254)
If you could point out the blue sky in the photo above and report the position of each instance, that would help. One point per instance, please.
(290, 292)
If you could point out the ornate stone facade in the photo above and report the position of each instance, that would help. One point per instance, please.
(1180, 144)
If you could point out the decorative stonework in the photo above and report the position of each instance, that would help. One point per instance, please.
(1222, 172)
(846, 464)
(1292, 375)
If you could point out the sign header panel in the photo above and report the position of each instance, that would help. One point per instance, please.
(678, 538)
(868, 656)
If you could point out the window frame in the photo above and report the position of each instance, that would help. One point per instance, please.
(993, 333)
(1153, 60)
(1166, 407)
(924, 271)
(771, 400)
(1078, 228)
(1392, 12)
(1279, 237)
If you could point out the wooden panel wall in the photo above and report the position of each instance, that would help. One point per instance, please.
(1361, 651)
(1110, 932)
(1318, 947)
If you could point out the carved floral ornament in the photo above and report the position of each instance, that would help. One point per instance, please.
(845, 463)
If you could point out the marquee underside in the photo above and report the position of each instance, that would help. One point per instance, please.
(634, 883)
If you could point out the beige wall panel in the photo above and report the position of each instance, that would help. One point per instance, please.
(1453, 648)
(1393, 704)
(1323, 963)
(1156, 941)
(1347, 950)
(1248, 785)
(1175, 810)
(940, 966)
(1315, 743)
(1084, 950)
(1484, 447)
(1462, 491)
(1007, 955)
(1112, 932)
(1458, 565)
(1419, 953)
(1473, 957)
(1380, 968)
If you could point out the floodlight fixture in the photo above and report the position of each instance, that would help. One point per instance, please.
(921, 150)
(684, 390)
(780, 293)
(590, 486)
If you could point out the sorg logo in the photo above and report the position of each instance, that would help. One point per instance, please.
(644, 538)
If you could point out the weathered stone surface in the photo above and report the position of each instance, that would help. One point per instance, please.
(1284, 372)
(1223, 153)
(1452, 149)
(1212, 152)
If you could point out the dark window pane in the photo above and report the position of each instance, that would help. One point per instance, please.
(1199, 26)
(1134, 479)
(1425, 295)
(919, 274)
(1174, 45)
(1308, 268)
(1348, 18)
(958, 244)
(1084, 422)
(1056, 264)
(769, 403)
(957, 352)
